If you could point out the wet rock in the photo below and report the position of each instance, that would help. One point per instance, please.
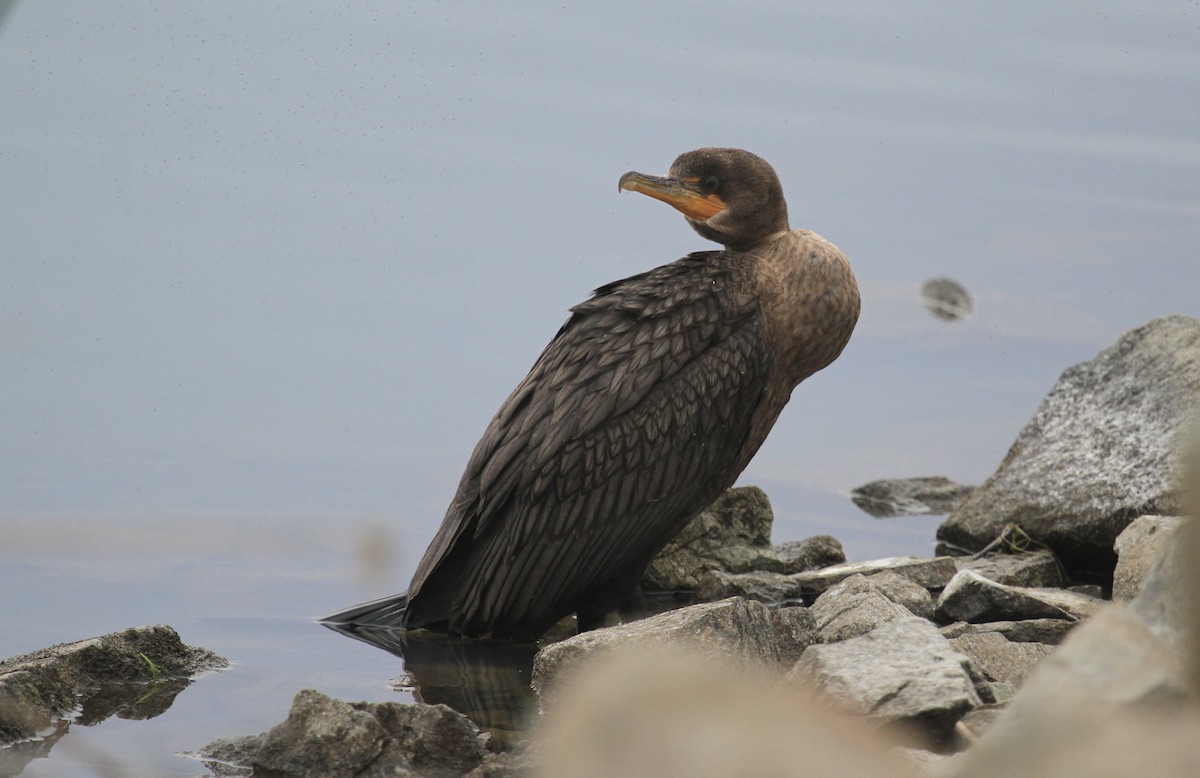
(902, 671)
(1027, 568)
(1000, 659)
(930, 573)
(326, 737)
(733, 628)
(1048, 631)
(1100, 451)
(92, 679)
(765, 587)
(732, 535)
(902, 591)
(1138, 548)
(909, 496)
(971, 597)
(852, 608)
(946, 299)
(810, 554)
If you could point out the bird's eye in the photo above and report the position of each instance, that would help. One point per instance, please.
(710, 183)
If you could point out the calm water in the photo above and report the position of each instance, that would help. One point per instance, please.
(269, 269)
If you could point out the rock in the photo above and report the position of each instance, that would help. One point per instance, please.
(902, 671)
(796, 630)
(1026, 568)
(851, 608)
(902, 591)
(765, 587)
(731, 628)
(1100, 451)
(1001, 659)
(1048, 631)
(96, 678)
(931, 573)
(946, 299)
(909, 496)
(1108, 668)
(326, 737)
(321, 736)
(810, 554)
(732, 535)
(971, 597)
(1138, 547)
(652, 712)
(1169, 600)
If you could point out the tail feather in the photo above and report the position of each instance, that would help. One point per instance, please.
(384, 612)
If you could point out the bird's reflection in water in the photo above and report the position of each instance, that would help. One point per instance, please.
(487, 681)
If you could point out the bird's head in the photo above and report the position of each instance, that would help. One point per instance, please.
(729, 196)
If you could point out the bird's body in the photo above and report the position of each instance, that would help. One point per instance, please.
(644, 408)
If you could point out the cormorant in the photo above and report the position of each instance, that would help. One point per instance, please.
(643, 409)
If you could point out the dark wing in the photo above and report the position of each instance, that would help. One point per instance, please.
(631, 421)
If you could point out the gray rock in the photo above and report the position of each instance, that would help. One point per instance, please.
(1100, 451)
(1112, 688)
(1169, 600)
(732, 535)
(1048, 631)
(903, 591)
(106, 674)
(762, 586)
(909, 496)
(1026, 568)
(1001, 659)
(810, 554)
(321, 736)
(852, 608)
(326, 737)
(732, 628)
(1138, 548)
(903, 671)
(796, 630)
(971, 597)
(931, 573)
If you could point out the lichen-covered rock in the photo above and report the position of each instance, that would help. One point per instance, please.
(39, 688)
(1101, 450)
(732, 535)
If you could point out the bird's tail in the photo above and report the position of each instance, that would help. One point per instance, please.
(384, 612)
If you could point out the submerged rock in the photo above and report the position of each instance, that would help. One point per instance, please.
(136, 673)
(909, 496)
(1101, 450)
(733, 535)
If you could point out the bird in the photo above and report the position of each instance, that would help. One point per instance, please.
(644, 408)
